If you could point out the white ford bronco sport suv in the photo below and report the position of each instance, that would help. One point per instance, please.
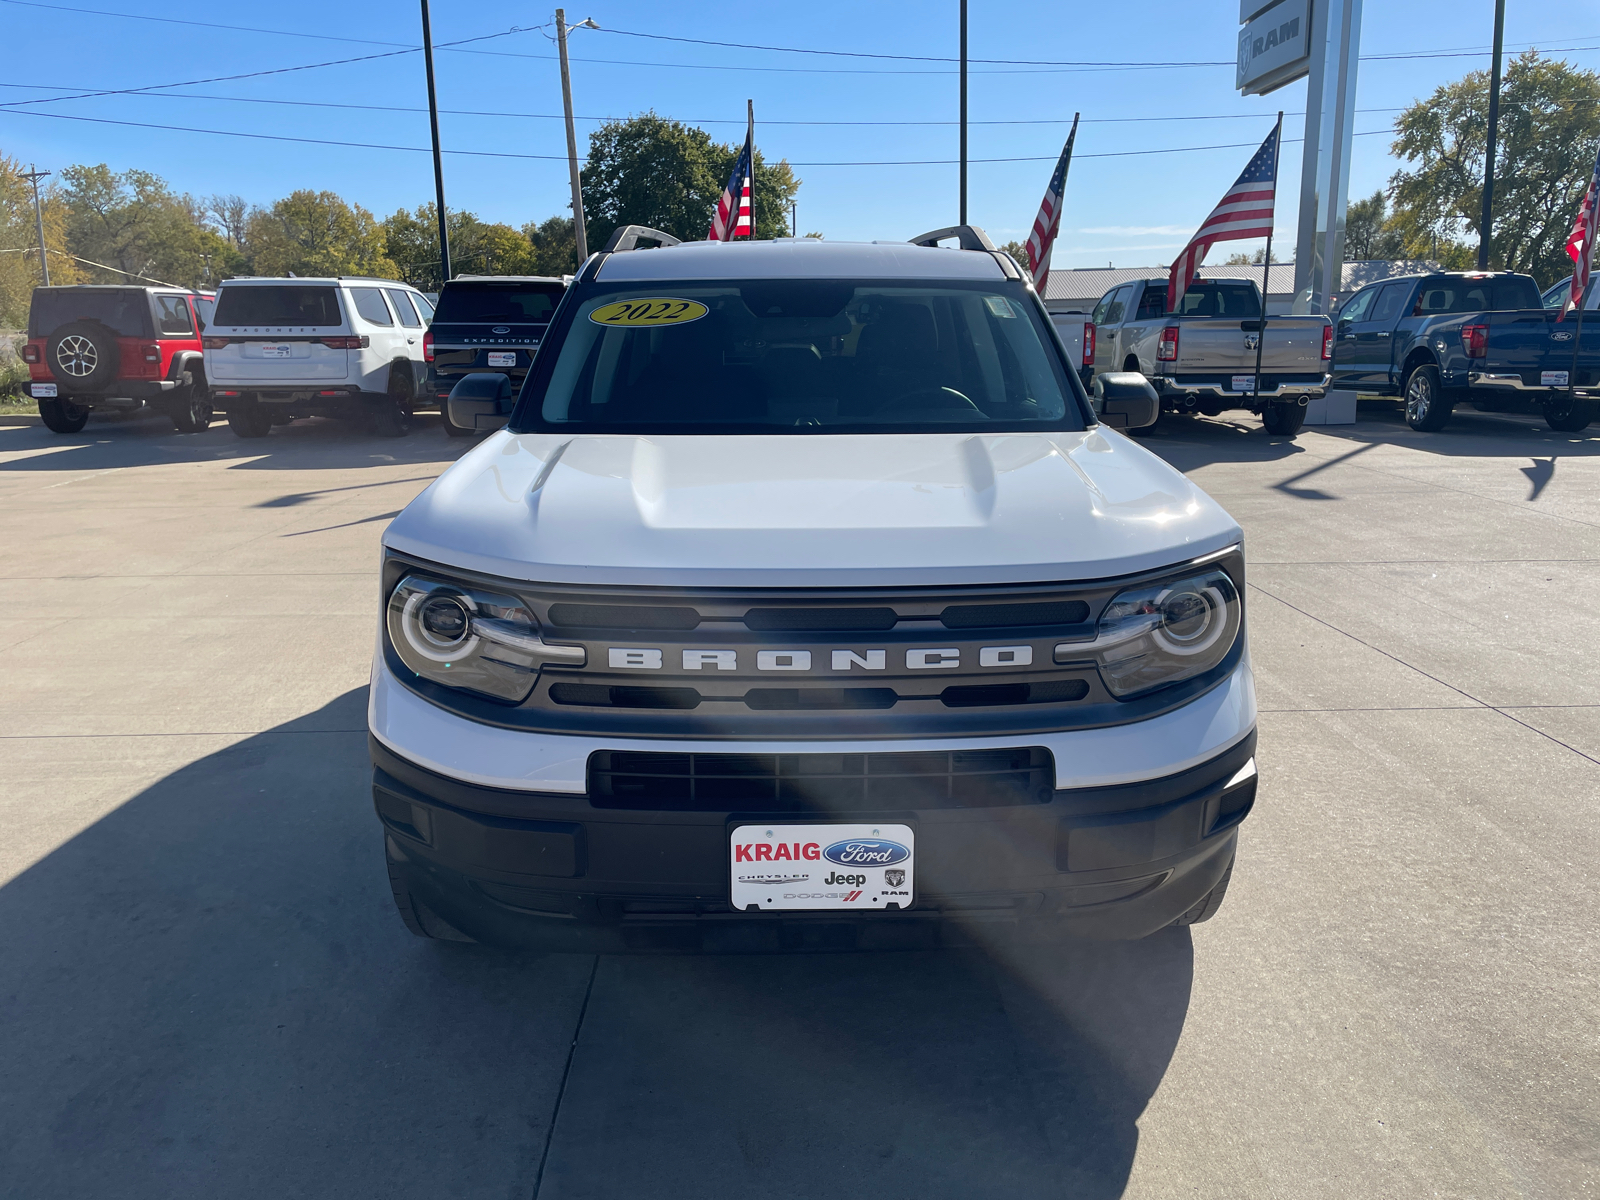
(807, 600)
(284, 348)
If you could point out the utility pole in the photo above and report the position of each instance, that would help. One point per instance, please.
(438, 162)
(963, 220)
(1486, 226)
(580, 235)
(794, 219)
(33, 176)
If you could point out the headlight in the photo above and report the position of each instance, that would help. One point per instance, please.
(466, 637)
(1164, 632)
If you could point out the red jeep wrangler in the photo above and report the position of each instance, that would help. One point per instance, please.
(118, 347)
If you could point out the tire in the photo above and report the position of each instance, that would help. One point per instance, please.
(1427, 410)
(63, 416)
(1283, 420)
(84, 356)
(392, 417)
(248, 419)
(421, 920)
(192, 412)
(1208, 905)
(1570, 414)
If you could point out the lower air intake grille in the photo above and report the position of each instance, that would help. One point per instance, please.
(820, 783)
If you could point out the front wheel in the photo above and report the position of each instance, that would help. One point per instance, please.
(63, 416)
(193, 411)
(1570, 414)
(1283, 420)
(1426, 408)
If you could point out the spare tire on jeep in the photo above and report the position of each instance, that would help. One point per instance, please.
(83, 356)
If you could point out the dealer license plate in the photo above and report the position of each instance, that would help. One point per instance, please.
(855, 867)
(499, 358)
(271, 351)
(1552, 379)
(1244, 383)
(44, 391)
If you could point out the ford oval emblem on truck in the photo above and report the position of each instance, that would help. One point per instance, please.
(501, 329)
(866, 852)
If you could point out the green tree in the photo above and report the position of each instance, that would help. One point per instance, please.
(476, 247)
(1549, 127)
(316, 233)
(649, 170)
(1245, 260)
(19, 272)
(555, 249)
(135, 224)
(1369, 232)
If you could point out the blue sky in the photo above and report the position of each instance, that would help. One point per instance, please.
(1131, 210)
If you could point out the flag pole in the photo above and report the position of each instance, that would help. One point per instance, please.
(1266, 268)
(750, 140)
(1583, 303)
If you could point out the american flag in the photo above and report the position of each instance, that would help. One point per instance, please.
(1048, 223)
(732, 218)
(1245, 211)
(1580, 244)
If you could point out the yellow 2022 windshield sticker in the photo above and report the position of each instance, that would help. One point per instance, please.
(648, 312)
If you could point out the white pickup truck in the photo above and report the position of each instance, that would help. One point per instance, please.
(1202, 358)
(805, 600)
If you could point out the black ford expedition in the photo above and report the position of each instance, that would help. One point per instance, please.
(487, 323)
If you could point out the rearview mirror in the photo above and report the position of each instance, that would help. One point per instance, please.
(480, 401)
(1126, 400)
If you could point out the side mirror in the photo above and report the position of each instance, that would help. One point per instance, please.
(480, 401)
(1126, 400)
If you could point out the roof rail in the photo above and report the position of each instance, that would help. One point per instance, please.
(970, 237)
(627, 237)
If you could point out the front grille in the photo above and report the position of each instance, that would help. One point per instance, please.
(820, 783)
(991, 616)
(590, 695)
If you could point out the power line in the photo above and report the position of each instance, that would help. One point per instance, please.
(98, 12)
(279, 137)
(468, 112)
(15, 105)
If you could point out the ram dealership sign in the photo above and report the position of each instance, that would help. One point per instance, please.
(1274, 44)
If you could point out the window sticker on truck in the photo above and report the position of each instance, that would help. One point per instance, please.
(648, 311)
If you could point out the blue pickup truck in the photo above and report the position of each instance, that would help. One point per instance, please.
(1479, 338)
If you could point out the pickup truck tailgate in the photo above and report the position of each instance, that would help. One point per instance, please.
(1293, 345)
(1520, 343)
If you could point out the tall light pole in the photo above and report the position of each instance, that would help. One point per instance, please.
(33, 177)
(1486, 226)
(963, 220)
(438, 162)
(580, 235)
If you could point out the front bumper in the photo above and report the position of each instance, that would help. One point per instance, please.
(549, 872)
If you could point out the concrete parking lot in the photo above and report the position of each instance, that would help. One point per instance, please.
(205, 991)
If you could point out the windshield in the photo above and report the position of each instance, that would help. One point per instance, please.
(472, 302)
(802, 356)
(279, 304)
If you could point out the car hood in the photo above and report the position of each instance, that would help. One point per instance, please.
(811, 510)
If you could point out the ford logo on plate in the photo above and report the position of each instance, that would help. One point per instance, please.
(501, 329)
(866, 852)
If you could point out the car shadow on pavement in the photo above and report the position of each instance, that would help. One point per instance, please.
(309, 444)
(207, 992)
